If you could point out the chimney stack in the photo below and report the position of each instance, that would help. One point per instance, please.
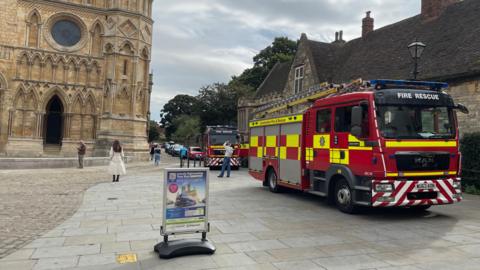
(336, 36)
(340, 35)
(432, 9)
(367, 24)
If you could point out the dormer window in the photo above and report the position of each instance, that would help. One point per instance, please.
(298, 82)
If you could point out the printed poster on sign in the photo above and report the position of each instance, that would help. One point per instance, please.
(185, 201)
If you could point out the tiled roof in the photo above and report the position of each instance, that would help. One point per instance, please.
(275, 80)
(453, 49)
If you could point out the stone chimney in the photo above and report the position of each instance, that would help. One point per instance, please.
(367, 24)
(432, 9)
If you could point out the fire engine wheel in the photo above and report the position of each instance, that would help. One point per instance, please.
(272, 182)
(344, 197)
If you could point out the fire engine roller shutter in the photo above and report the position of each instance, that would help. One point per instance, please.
(290, 152)
(255, 153)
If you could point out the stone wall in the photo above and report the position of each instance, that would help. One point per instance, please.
(102, 77)
(467, 92)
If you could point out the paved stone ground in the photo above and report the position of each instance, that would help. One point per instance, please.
(255, 229)
(35, 201)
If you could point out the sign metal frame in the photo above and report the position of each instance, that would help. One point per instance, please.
(164, 231)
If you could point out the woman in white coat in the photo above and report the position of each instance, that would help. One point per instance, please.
(116, 167)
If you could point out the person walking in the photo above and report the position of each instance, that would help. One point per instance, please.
(183, 155)
(81, 150)
(157, 153)
(226, 160)
(116, 167)
(152, 150)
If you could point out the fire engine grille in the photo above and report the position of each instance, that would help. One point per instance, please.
(414, 161)
(219, 152)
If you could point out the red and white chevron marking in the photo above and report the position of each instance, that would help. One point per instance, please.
(216, 162)
(444, 187)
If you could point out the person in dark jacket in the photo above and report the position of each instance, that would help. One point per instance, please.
(81, 150)
(152, 150)
(157, 154)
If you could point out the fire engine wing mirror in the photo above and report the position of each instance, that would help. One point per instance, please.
(356, 128)
(462, 108)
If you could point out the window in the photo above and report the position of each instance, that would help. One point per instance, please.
(298, 83)
(66, 33)
(323, 121)
(343, 120)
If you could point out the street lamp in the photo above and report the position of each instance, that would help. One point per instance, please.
(416, 49)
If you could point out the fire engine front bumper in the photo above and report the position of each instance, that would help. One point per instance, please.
(390, 193)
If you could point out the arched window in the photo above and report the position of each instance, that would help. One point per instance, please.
(97, 40)
(33, 25)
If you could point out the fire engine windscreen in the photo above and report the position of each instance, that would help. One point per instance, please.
(403, 122)
(219, 139)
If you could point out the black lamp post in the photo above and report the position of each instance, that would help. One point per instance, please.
(416, 49)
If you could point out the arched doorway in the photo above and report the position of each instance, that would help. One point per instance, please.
(54, 121)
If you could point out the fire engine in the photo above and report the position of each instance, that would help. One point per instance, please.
(213, 140)
(381, 143)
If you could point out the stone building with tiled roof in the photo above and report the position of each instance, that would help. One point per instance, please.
(449, 28)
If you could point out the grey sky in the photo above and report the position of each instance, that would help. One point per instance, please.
(198, 42)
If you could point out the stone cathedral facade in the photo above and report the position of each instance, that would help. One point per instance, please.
(74, 70)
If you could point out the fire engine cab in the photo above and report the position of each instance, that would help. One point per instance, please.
(382, 143)
(213, 140)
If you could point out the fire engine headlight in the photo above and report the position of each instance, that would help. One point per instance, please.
(384, 188)
(457, 184)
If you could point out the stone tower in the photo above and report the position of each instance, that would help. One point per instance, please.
(74, 70)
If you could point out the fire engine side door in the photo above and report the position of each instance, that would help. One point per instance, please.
(321, 127)
(347, 149)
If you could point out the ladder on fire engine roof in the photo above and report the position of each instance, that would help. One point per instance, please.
(325, 90)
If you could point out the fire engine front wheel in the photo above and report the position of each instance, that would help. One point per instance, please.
(272, 181)
(344, 197)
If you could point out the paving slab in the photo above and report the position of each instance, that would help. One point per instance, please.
(253, 229)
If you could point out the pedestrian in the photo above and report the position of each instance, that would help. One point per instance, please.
(226, 160)
(116, 167)
(152, 150)
(183, 155)
(157, 153)
(81, 150)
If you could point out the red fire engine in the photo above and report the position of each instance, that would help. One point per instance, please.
(383, 143)
(213, 140)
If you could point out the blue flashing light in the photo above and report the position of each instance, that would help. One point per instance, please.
(384, 84)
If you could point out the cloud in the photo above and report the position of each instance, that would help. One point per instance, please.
(199, 42)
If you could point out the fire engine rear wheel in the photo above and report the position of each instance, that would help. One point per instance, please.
(272, 182)
(344, 197)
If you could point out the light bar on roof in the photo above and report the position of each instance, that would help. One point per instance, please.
(386, 84)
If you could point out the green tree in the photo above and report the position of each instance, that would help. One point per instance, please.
(281, 50)
(179, 105)
(153, 131)
(188, 127)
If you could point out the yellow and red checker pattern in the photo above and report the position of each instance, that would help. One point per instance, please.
(283, 146)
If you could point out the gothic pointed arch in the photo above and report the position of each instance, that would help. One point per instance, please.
(36, 67)
(97, 34)
(54, 91)
(83, 72)
(127, 47)
(71, 74)
(23, 65)
(60, 68)
(24, 118)
(88, 120)
(34, 22)
(48, 69)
